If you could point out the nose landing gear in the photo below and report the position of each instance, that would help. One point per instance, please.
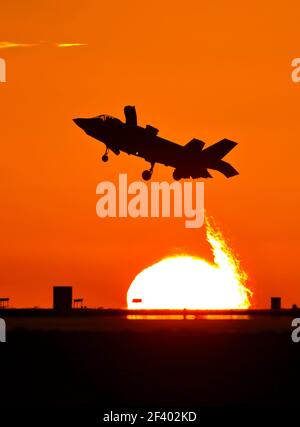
(147, 174)
(105, 156)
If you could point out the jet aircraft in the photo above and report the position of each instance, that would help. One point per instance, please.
(189, 161)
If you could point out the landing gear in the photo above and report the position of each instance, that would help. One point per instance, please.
(176, 175)
(105, 156)
(146, 175)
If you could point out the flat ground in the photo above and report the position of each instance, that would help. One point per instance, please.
(98, 362)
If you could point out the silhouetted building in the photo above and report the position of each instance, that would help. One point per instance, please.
(62, 298)
(4, 302)
(78, 303)
(275, 303)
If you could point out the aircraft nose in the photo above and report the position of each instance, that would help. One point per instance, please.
(80, 122)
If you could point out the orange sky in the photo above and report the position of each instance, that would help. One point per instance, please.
(192, 69)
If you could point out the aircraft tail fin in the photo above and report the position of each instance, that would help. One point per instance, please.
(219, 149)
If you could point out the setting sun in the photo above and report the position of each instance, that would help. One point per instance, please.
(184, 281)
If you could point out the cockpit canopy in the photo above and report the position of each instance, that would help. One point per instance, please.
(105, 117)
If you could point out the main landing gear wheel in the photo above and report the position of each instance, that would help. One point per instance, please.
(105, 156)
(146, 175)
(176, 175)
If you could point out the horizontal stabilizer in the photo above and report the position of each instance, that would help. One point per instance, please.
(219, 149)
(194, 145)
(225, 168)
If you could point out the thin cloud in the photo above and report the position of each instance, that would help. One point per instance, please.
(7, 45)
(70, 44)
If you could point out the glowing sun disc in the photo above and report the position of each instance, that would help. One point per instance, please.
(185, 282)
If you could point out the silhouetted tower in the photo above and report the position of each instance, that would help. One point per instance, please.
(62, 298)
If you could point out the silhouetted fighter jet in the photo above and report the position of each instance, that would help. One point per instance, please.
(189, 161)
